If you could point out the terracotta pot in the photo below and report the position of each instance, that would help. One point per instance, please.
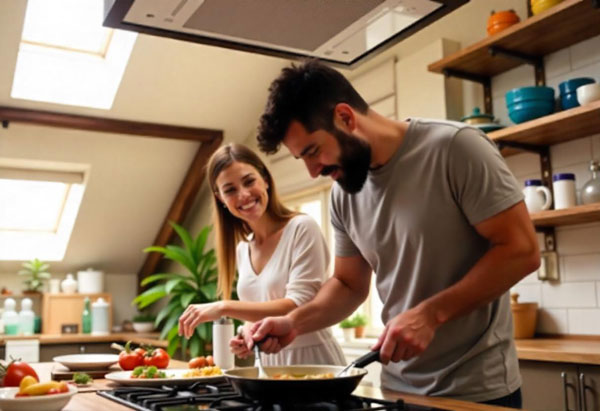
(524, 317)
(359, 332)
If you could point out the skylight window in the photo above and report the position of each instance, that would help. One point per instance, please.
(38, 208)
(66, 56)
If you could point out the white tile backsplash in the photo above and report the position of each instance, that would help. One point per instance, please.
(585, 53)
(596, 147)
(528, 293)
(577, 240)
(557, 64)
(571, 153)
(530, 279)
(584, 321)
(520, 76)
(582, 267)
(552, 321)
(524, 164)
(567, 295)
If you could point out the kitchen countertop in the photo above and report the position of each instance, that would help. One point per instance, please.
(87, 399)
(136, 338)
(571, 349)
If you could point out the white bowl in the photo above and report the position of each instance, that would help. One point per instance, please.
(588, 93)
(143, 327)
(48, 402)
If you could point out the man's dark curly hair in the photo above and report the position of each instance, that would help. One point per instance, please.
(307, 93)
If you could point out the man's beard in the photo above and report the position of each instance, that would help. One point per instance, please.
(355, 159)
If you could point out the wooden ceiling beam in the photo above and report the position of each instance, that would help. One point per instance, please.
(89, 123)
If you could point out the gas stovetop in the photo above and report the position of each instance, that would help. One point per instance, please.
(222, 396)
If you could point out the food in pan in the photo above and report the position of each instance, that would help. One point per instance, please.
(286, 376)
(208, 371)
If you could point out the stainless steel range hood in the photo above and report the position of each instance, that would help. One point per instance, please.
(343, 32)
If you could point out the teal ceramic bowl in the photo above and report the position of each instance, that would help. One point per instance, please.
(529, 110)
(517, 95)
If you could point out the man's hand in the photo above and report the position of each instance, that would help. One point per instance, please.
(196, 314)
(275, 333)
(407, 335)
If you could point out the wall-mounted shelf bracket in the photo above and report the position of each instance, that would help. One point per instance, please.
(536, 61)
(485, 81)
(542, 150)
(549, 237)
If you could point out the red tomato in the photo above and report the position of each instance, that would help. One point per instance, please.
(157, 357)
(129, 359)
(12, 374)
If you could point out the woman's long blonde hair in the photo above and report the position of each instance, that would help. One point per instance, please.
(230, 229)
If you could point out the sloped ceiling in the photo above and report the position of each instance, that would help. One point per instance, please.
(133, 179)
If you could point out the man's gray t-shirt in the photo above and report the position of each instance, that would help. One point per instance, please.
(413, 222)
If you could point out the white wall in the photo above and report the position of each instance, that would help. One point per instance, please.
(572, 305)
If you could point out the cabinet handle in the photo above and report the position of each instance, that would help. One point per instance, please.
(563, 376)
(582, 391)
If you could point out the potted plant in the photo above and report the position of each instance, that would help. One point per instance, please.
(197, 285)
(348, 328)
(37, 271)
(359, 321)
(144, 322)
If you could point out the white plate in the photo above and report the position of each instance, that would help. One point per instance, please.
(174, 377)
(48, 402)
(87, 362)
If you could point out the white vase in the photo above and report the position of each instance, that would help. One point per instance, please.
(348, 334)
(69, 284)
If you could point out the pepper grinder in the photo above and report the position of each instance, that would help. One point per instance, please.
(590, 192)
(222, 334)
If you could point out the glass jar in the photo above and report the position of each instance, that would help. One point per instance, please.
(590, 192)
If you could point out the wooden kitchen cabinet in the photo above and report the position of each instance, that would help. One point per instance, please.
(546, 386)
(62, 309)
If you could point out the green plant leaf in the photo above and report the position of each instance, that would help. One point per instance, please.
(202, 331)
(195, 346)
(200, 241)
(171, 284)
(210, 291)
(171, 322)
(163, 276)
(150, 296)
(173, 345)
(45, 276)
(183, 257)
(166, 311)
(186, 239)
(186, 299)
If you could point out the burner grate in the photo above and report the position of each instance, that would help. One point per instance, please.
(222, 396)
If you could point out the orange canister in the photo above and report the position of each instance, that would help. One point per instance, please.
(499, 21)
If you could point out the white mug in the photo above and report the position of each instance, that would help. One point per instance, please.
(565, 195)
(537, 197)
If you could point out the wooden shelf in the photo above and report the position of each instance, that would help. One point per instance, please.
(555, 128)
(563, 25)
(582, 214)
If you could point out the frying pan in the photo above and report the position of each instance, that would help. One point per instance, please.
(245, 380)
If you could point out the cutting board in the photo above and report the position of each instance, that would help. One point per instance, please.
(60, 372)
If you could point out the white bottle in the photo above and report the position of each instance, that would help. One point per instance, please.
(10, 317)
(69, 284)
(222, 334)
(26, 317)
(100, 317)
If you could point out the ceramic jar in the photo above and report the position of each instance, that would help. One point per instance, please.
(537, 197)
(69, 285)
(565, 195)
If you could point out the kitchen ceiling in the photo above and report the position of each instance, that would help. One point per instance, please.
(342, 32)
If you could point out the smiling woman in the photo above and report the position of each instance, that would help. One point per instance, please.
(281, 257)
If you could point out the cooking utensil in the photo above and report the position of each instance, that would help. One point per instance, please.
(247, 382)
(261, 371)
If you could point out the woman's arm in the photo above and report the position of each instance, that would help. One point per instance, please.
(196, 314)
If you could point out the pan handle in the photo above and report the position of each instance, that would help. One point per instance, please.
(366, 359)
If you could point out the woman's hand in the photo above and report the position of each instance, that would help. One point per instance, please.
(196, 314)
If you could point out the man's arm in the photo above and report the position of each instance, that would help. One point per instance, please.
(513, 254)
